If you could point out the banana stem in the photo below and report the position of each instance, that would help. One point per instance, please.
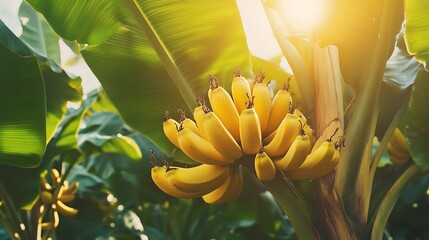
(389, 201)
(352, 178)
(293, 206)
(384, 141)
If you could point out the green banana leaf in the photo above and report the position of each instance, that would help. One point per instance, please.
(39, 36)
(417, 121)
(167, 66)
(10, 41)
(417, 29)
(22, 111)
(86, 21)
(59, 90)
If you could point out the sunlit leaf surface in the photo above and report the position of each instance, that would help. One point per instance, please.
(193, 39)
(417, 28)
(22, 111)
(87, 21)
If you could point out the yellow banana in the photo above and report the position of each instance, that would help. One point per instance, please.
(250, 131)
(47, 226)
(398, 161)
(320, 157)
(317, 171)
(397, 153)
(202, 178)
(398, 149)
(55, 218)
(285, 134)
(398, 141)
(317, 163)
(224, 107)
(262, 101)
(280, 106)
(55, 176)
(264, 167)
(269, 138)
(296, 154)
(67, 198)
(44, 185)
(189, 124)
(216, 133)
(64, 209)
(307, 129)
(46, 197)
(240, 89)
(198, 116)
(158, 175)
(71, 189)
(170, 127)
(228, 191)
(310, 133)
(200, 150)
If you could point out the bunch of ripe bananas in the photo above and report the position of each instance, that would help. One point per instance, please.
(248, 124)
(398, 149)
(52, 199)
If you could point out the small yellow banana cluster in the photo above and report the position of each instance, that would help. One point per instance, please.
(248, 123)
(398, 149)
(52, 199)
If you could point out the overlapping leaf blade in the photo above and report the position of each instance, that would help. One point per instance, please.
(191, 39)
(417, 121)
(417, 29)
(87, 21)
(22, 111)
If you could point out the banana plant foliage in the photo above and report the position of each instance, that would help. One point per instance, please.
(22, 110)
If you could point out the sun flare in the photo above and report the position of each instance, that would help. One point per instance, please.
(303, 13)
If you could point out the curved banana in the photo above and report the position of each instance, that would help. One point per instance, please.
(44, 185)
(307, 129)
(264, 167)
(240, 89)
(64, 209)
(397, 157)
(250, 131)
(67, 198)
(46, 197)
(398, 161)
(397, 153)
(398, 141)
(170, 128)
(203, 178)
(188, 123)
(200, 150)
(158, 175)
(224, 107)
(398, 149)
(217, 134)
(198, 116)
(55, 176)
(320, 157)
(262, 101)
(280, 106)
(71, 189)
(316, 172)
(285, 134)
(296, 154)
(228, 191)
(310, 133)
